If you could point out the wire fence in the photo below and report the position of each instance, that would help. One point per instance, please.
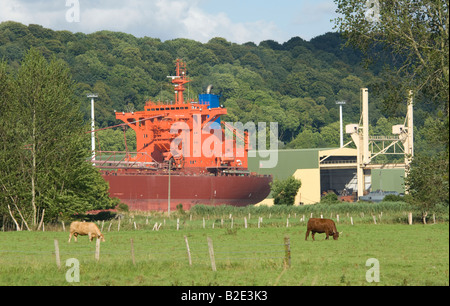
(191, 253)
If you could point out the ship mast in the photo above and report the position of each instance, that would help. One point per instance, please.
(179, 80)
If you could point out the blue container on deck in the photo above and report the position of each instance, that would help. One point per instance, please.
(211, 100)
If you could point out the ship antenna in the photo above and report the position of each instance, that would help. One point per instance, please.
(179, 80)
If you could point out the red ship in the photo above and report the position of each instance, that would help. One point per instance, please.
(183, 157)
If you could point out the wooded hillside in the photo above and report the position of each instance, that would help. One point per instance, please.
(295, 83)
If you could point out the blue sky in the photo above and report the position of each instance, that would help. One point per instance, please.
(238, 21)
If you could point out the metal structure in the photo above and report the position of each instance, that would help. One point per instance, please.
(341, 103)
(92, 96)
(368, 147)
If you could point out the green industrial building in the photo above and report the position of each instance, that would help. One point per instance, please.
(326, 170)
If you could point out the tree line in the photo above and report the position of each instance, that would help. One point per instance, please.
(295, 83)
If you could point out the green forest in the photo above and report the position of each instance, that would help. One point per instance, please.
(295, 83)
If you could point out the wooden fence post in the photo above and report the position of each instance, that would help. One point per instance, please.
(132, 252)
(351, 220)
(63, 225)
(245, 222)
(97, 249)
(410, 221)
(287, 252)
(58, 259)
(188, 250)
(178, 224)
(211, 254)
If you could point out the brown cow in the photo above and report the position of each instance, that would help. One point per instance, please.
(85, 228)
(320, 226)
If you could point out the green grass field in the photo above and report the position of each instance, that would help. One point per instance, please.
(407, 254)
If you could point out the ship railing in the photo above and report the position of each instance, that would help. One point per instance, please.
(341, 161)
(121, 160)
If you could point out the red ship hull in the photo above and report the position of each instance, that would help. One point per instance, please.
(149, 192)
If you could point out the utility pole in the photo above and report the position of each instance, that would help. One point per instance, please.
(340, 103)
(92, 96)
(168, 191)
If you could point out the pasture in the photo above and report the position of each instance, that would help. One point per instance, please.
(254, 256)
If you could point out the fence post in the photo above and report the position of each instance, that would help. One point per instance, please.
(188, 250)
(287, 252)
(63, 225)
(351, 220)
(178, 224)
(58, 259)
(211, 254)
(97, 249)
(245, 222)
(132, 252)
(410, 221)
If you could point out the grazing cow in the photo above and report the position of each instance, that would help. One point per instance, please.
(85, 228)
(320, 226)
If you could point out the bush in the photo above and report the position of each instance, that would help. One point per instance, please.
(393, 198)
(329, 198)
(285, 191)
(123, 207)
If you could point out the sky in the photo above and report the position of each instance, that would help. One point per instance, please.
(237, 21)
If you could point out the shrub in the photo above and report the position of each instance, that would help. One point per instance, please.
(329, 198)
(285, 191)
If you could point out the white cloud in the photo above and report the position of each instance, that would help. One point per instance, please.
(164, 19)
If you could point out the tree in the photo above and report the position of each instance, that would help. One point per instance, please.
(43, 158)
(416, 34)
(284, 191)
